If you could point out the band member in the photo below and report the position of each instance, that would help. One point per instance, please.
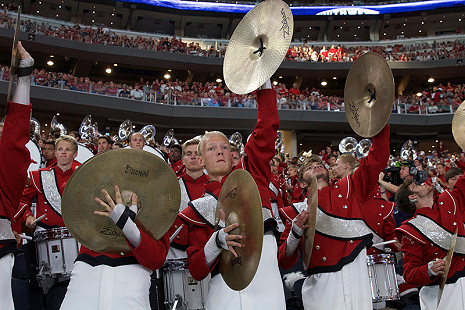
(277, 192)
(136, 141)
(103, 144)
(338, 259)
(426, 239)
(116, 281)
(47, 186)
(192, 185)
(236, 155)
(205, 244)
(49, 153)
(14, 161)
(176, 160)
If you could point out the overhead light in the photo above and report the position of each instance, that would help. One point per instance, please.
(50, 63)
(218, 80)
(133, 126)
(275, 83)
(324, 83)
(334, 78)
(46, 124)
(280, 77)
(115, 65)
(51, 56)
(419, 94)
(58, 114)
(430, 80)
(169, 70)
(108, 70)
(167, 76)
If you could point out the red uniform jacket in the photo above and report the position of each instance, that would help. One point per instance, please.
(178, 168)
(260, 150)
(343, 200)
(14, 161)
(421, 246)
(48, 200)
(378, 214)
(278, 191)
(191, 189)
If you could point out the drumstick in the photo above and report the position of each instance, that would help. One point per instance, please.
(39, 218)
(23, 236)
(176, 233)
(384, 243)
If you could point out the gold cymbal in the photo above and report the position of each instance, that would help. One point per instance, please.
(246, 66)
(369, 94)
(134, 171)
(309, 233)
(240, 200)
(458, 126)
(15, 57)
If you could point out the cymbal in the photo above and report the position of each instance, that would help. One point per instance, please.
(458, 126)
(258, 46)
(134, 171)
(240, 200)
(309, 233)
(369, 94)
(447, 263)
(15, 58)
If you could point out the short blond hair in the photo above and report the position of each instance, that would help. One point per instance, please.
(207, 135)
(349, 159)
(69, 139)
(193, 141)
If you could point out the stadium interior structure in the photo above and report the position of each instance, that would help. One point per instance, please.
(419, 29)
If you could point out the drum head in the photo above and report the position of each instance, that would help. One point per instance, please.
(84, 153)
(36, 156)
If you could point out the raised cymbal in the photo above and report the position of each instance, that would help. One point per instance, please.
(15, 57)
(240, 200)
(134, 171)
(246, 67)
(369, 94)
(458, 126)
(309, 233)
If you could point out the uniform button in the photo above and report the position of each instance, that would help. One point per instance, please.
(380, 214)
(379, 224)
(175, 226)
(351, 241)
(431, 244)
(454, 223)
(324, 259)
(436, 253)
(382, 206)
(122, 253)
(45, 202)
(177, 237)
(317, 247)
(340, 196)
(441, 203)
(449, 212)
(46, 219)
(335, 186)
(344, 206)
(45, 210)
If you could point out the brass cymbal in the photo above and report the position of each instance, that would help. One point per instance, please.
(458, 126)
(309, 233)
(369, 94)
(15, 57)
(134, 171)
(246, 65)
(240, 200)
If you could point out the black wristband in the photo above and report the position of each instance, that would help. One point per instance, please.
(217, 240)
(24, 71)
(296, 235)
(123, 218)
(132, 214)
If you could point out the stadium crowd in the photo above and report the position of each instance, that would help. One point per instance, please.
(305, 52)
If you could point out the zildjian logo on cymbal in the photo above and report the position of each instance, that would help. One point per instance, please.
(285, 26)
(235, 261)
(354, 109)
(109, 231)
(232, 193)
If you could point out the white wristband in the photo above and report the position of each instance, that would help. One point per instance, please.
(211, 250)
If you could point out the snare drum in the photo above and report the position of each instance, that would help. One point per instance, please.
(84, 153)
(382, 274)
(181, 287)
(56, 252)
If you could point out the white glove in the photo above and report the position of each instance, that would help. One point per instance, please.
(127, 225)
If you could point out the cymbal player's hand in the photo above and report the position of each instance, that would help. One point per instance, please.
(30, 221)
(438, 266)
(381, 176)
(22, 51)
(110, 204)
(301, 220)
(231, 240)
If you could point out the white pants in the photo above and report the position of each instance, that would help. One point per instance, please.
(264, 292)
(347, 289)
(108, 288)
(453, 297)
(6, 268)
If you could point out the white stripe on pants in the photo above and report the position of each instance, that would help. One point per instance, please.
(6, 268)
(108, 288)
(453, 296)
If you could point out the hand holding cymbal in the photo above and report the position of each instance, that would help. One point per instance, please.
(231, 240)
